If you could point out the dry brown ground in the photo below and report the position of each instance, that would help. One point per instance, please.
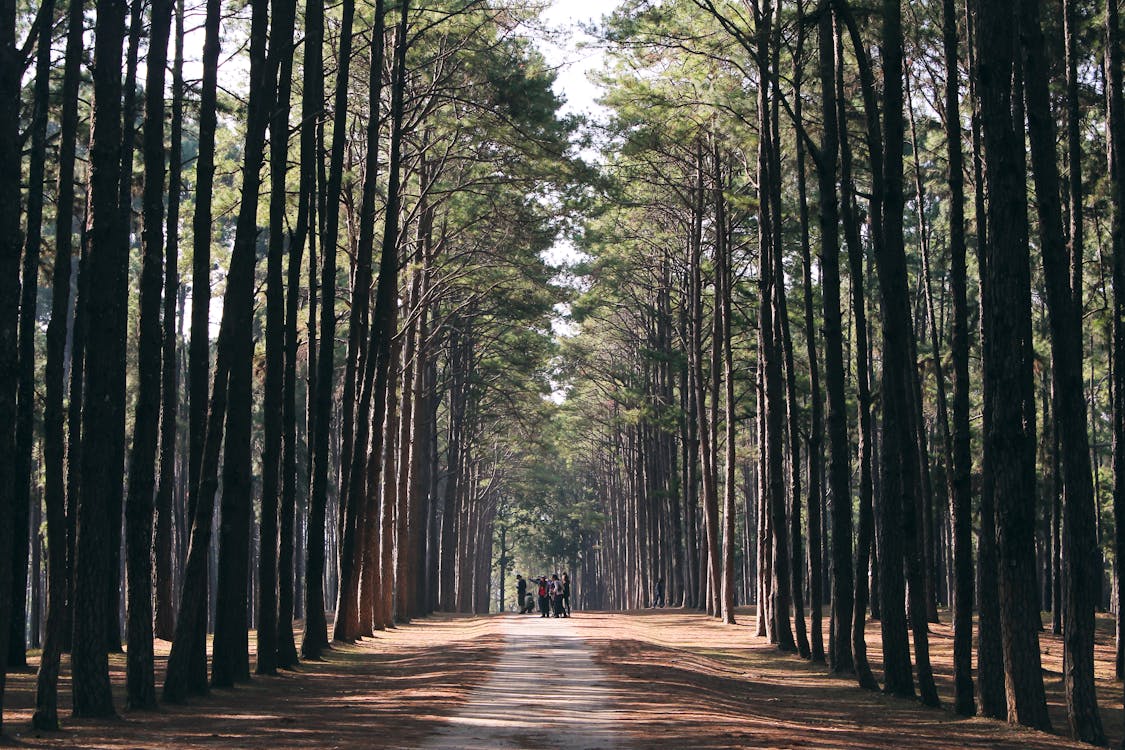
(387, 691)
(685, 680)
(680, 680)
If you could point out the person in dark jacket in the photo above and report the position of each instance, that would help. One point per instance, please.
(566, 594)
(658, 600)
(555, 588)
(521, 593)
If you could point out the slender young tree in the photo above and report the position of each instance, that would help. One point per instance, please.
(723, 289)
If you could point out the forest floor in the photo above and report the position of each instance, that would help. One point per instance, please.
(388, 691)
(684, 680)
(653, 679)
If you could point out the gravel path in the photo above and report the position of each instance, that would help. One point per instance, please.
(545, 691)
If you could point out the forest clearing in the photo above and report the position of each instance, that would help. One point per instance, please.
(780, 341)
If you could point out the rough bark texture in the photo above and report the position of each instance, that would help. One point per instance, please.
(1006, 331)
(140, 682)
(94, 576)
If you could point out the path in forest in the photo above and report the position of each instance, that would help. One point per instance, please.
(545, 691)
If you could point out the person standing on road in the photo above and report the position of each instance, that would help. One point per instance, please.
(566, 594)
(544, 602)
(658, 600)
(556, 595)
(521, 593)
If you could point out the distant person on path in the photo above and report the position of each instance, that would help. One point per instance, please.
(658, 599)
(521, 593)
(544, 602)
(556, 595)
(566, 594)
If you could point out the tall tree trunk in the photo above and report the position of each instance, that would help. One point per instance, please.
(866, 530)
(1082, 577)
(932, 325)
(359, 493)
(10, 70)
(962, 460)
(94, 576)
(312, 110)
(164, 623)
(723, 293)
(710, 498)
(58, 548)
(1115, 138)
(120, 320)
(199, 349)
(281, 50)
(901, 469)
(230, 660)
(839, 481)
(140, 682)
(316, 625)
(990, 658)
(1006, 326)
(29, 292)
(816, 406)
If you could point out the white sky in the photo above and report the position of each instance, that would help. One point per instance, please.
(574, 55)
(566, 51)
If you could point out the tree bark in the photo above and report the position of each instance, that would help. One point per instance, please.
(102, 441)
(1006, 329)
(281, 50)
(164, 623)
(230, 660)
(55, 498)
(962, 460)
(1081, 561)
(10, 70)
(839, 480)
(29, 291)
(140, 682)
(316, 625)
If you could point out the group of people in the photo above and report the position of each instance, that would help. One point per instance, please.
(553, 595)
